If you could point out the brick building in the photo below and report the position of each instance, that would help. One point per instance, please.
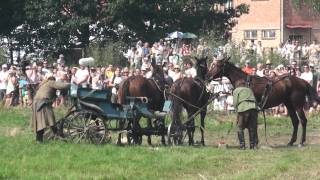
(276, 21)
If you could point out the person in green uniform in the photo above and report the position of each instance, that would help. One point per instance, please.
(247, 113)
(43, 115)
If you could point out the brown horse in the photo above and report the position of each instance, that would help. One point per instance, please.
(192, 95)
(153, 89)
(289, 90)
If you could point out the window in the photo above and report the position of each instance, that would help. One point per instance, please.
(268, 34)
(228, 4)
(250, 34)
(296, 37)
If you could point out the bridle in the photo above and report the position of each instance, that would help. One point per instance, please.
(221, 74)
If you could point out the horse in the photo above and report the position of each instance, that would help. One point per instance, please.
(287, 89)
(191, 94)
(152, 88)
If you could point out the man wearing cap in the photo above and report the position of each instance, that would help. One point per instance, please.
(43, 115)
(3, 81)
(246, 107)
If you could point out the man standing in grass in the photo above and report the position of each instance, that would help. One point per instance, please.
(43, 115)
(245, 105)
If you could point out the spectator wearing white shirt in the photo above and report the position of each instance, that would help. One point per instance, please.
(3, 81)
(190, 71)
(260, 70)
(307, 74)
(82, 77)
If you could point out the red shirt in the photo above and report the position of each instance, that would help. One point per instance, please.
(247, 70)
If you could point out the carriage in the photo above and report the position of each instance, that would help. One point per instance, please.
(93, 118)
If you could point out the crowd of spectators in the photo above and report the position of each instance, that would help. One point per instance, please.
(17, 87)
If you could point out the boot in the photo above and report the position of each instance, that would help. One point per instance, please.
(252, 138)
(241, 139)
(39, 136)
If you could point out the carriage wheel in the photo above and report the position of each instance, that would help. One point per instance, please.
(175, 134)
(85, 127)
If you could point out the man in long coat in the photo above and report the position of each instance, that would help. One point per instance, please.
(43, 115)
(245, 105)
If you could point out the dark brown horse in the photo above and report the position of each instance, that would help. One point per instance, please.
(191, 94)
(289, 90)
(153, 89)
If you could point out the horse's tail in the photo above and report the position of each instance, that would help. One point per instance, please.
(123, 91)
(176, 104)
(312, 94)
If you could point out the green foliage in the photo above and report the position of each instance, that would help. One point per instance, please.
(12, 15)
(109, 54)
(153, 19)
(315, 4)
(3, 58)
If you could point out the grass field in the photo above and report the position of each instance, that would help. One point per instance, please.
(22, 158)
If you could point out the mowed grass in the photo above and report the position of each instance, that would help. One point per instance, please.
(22, 158)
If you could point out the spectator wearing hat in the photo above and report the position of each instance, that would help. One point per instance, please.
(247, 68)
(3, 81)
(177, 73)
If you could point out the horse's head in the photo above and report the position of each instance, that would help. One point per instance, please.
(201, 66)
(217, 69)
(158, 73)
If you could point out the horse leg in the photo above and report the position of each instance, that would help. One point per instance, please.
(295, 123)
(149, 126)
(304, 121)
(190, 130)
(163, 131)
(202, 116)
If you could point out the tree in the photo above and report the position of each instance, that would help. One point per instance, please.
(12, 15)
(64, 24)
(150, 20)
(315, 4)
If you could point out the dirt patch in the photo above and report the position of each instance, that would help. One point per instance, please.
(11, 131)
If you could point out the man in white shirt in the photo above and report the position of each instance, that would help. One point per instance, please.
(190, 71)
(81, 77)
(3, 81)
(307, 74)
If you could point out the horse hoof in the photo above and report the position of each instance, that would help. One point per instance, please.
(301, 145)
(290, 144)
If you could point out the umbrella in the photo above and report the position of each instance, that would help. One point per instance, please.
(189, 36)
(175, 35)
